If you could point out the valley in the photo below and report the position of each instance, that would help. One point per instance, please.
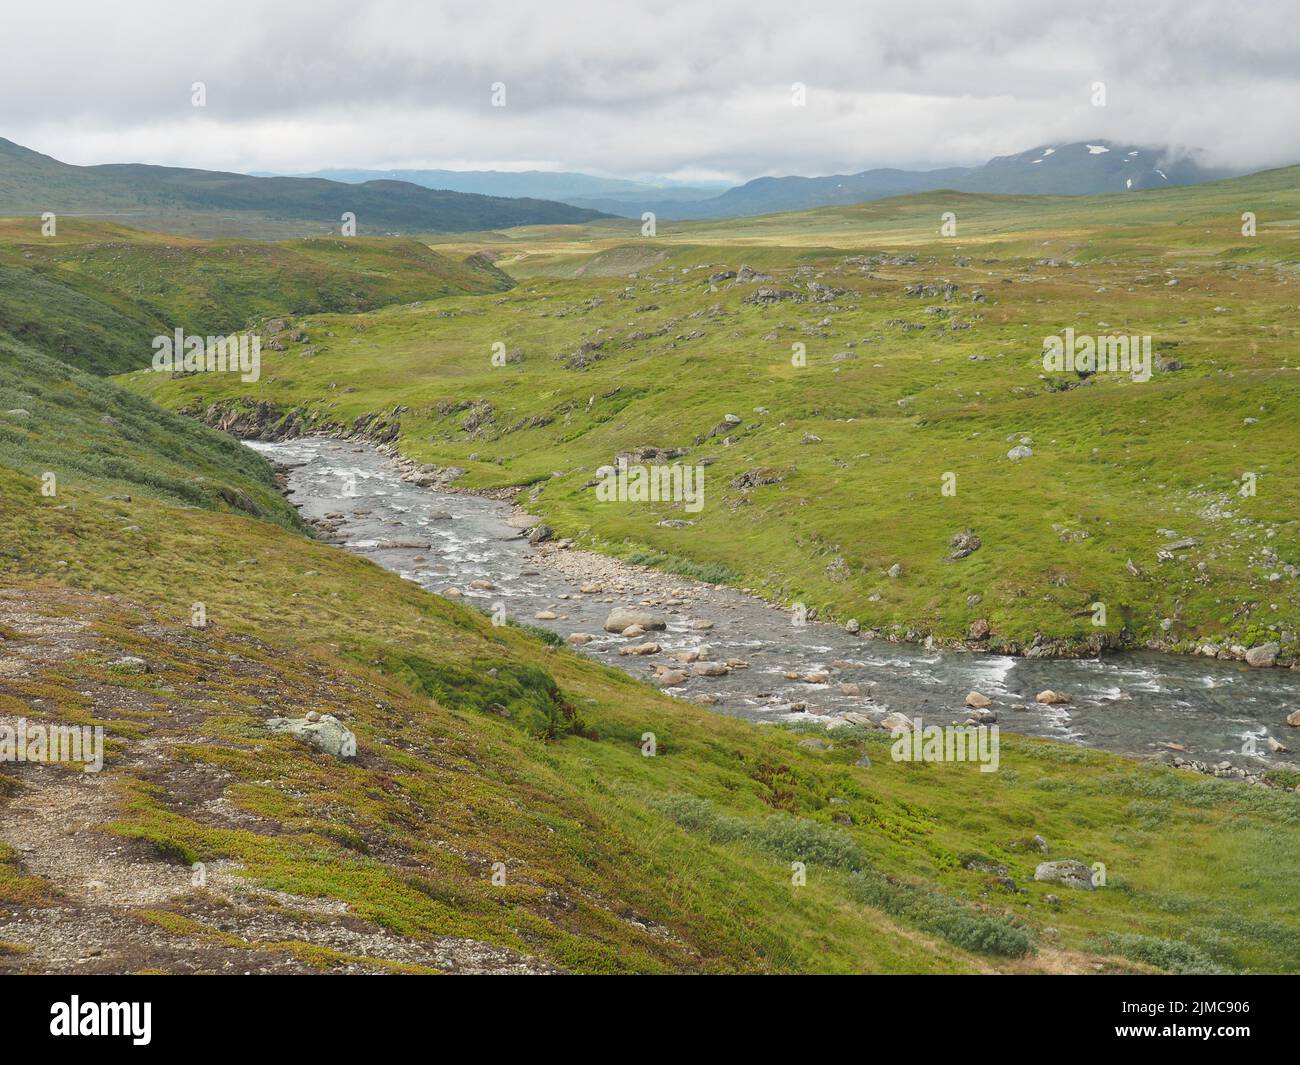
(497, 805)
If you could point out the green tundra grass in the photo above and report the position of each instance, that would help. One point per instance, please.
(861, 403)
(616, 862)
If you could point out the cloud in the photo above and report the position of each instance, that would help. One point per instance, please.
(655, 87)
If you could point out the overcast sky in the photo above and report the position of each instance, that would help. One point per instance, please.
(688, 90)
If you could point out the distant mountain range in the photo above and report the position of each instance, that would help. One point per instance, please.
(1065, 169)
(212, 203)
(611, 195)
(1080, 169)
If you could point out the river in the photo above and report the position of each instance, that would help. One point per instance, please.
(1131, 703)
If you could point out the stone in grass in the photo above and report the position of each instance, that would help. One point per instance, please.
(326, 733)
(814, 744)
(1020, 451)
(1067, 871)
(130, 664)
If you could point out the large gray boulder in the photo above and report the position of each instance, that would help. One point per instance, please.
(623, 618)
(326, 733)
(1263, 656)
(1067, 871)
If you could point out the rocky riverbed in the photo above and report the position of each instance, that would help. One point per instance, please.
(741, 656)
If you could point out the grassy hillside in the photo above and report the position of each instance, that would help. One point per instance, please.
(57, 419)
(210, 203)
(480, 745)
(96, 294)
(923, 359)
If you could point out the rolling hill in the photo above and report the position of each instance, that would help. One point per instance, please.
(96, 294)
(215, 204)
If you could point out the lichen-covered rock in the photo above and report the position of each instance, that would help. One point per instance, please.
(326, 733)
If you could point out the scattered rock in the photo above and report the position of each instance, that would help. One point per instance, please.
(978, 700)
(1051, 698)
(963, 544)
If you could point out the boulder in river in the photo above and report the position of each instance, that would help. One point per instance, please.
(640, 649)
(1051, 698)
(711, 669)
(579, 639)
(1293, 719)
(1067, 871)
(978, 700)
(622, 618)
(896, 723)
